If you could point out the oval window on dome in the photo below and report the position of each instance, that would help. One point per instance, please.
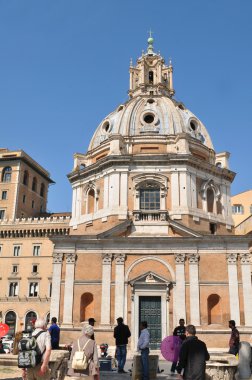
(106, 126)
(193, 125)
(149, 118)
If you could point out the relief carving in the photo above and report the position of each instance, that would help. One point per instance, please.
(232, 258)
(70, 258)
(245, 258)
(57, 258)
(179, 258)
(106, 258)
(119, 258)
(193, 258)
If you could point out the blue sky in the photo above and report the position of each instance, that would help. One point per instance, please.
(64, 67)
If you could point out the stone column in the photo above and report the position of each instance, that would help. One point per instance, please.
(55, 298)
(106, 284)
(233, 288)
(69, 288)
(119, 285)
(180, 310)
(194, 289)
(245, 259)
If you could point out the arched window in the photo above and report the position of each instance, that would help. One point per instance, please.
(86, 306)
(26, 178)
(210, 200)
(42, 190)
(6, 174)
(30, 320)
(214, 309)
(10, 320)
(34, 184)
(150, 197)
(91, 201)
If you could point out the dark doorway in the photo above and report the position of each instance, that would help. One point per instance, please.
(10, 320)
(150, 311)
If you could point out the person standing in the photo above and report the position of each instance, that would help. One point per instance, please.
(234, 340)
(143, 346)
(41, 371)
(193, 356)
(54, 331)
(121, 335)
(180, 332)
(91, 322)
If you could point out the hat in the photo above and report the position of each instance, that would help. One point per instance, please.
(91, 320)
(88, 330)
(120, 319)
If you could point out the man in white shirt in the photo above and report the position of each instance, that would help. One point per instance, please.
(41, 371)
(143, 346)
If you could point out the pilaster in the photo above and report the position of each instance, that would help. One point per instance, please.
(233, 288)
(56, 279)
(119, 285)
(180, 309)
(69, 287)
(245, 260)
(106, 285)
(193, 259)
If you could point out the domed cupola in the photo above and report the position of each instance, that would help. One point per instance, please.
(151, 109)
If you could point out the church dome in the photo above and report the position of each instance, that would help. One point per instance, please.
(146, 115)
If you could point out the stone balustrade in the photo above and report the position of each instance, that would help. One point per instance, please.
(150, 215)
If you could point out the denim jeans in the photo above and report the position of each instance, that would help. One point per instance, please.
(121, 352)
(145, 363)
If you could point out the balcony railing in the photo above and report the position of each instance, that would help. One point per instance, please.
(150, 215)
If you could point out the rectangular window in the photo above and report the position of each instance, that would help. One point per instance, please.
(50, 289)
(34, 268)
(24, 198)
(13, 289)
(150, 199)
(16, 250)
(4, 195)
(32, 204)
(33, 289)
(14, 268)
(2, 212)
(238, 209)
(36, 250)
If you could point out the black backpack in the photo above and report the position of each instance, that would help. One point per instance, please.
(29, 354)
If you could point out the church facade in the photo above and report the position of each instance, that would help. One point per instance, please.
(151, 234)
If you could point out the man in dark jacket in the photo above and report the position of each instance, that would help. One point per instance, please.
(179, 331)
(121, 335)
(192, 357)
(234, 340)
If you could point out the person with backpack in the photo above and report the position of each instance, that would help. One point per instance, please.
(84, 357)
(34, 352)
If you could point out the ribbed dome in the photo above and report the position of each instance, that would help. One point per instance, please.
(158, 115)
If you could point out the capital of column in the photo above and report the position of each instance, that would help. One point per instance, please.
(70, 258)
(232, 258)
(57, 257)
(193, 258)
(119, 258)
(245, 258)
(179, 258)
(106, 258)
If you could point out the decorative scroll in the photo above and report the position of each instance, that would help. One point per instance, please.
(179, 258)
(57, 258)
(193, 258)
(106, 258)
(70, 258)
(232, 258)
(119, 258)
(245, 258)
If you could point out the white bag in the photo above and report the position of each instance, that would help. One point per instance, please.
(80, 361)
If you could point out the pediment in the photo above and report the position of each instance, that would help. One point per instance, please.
(149, 278)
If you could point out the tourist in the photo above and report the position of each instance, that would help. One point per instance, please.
(92, 371)
(143, 346)
(121, 335)
(54, 331)
(91, 322)
(234, 340)
(192, 357)
(41, 371)
(180, 332)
